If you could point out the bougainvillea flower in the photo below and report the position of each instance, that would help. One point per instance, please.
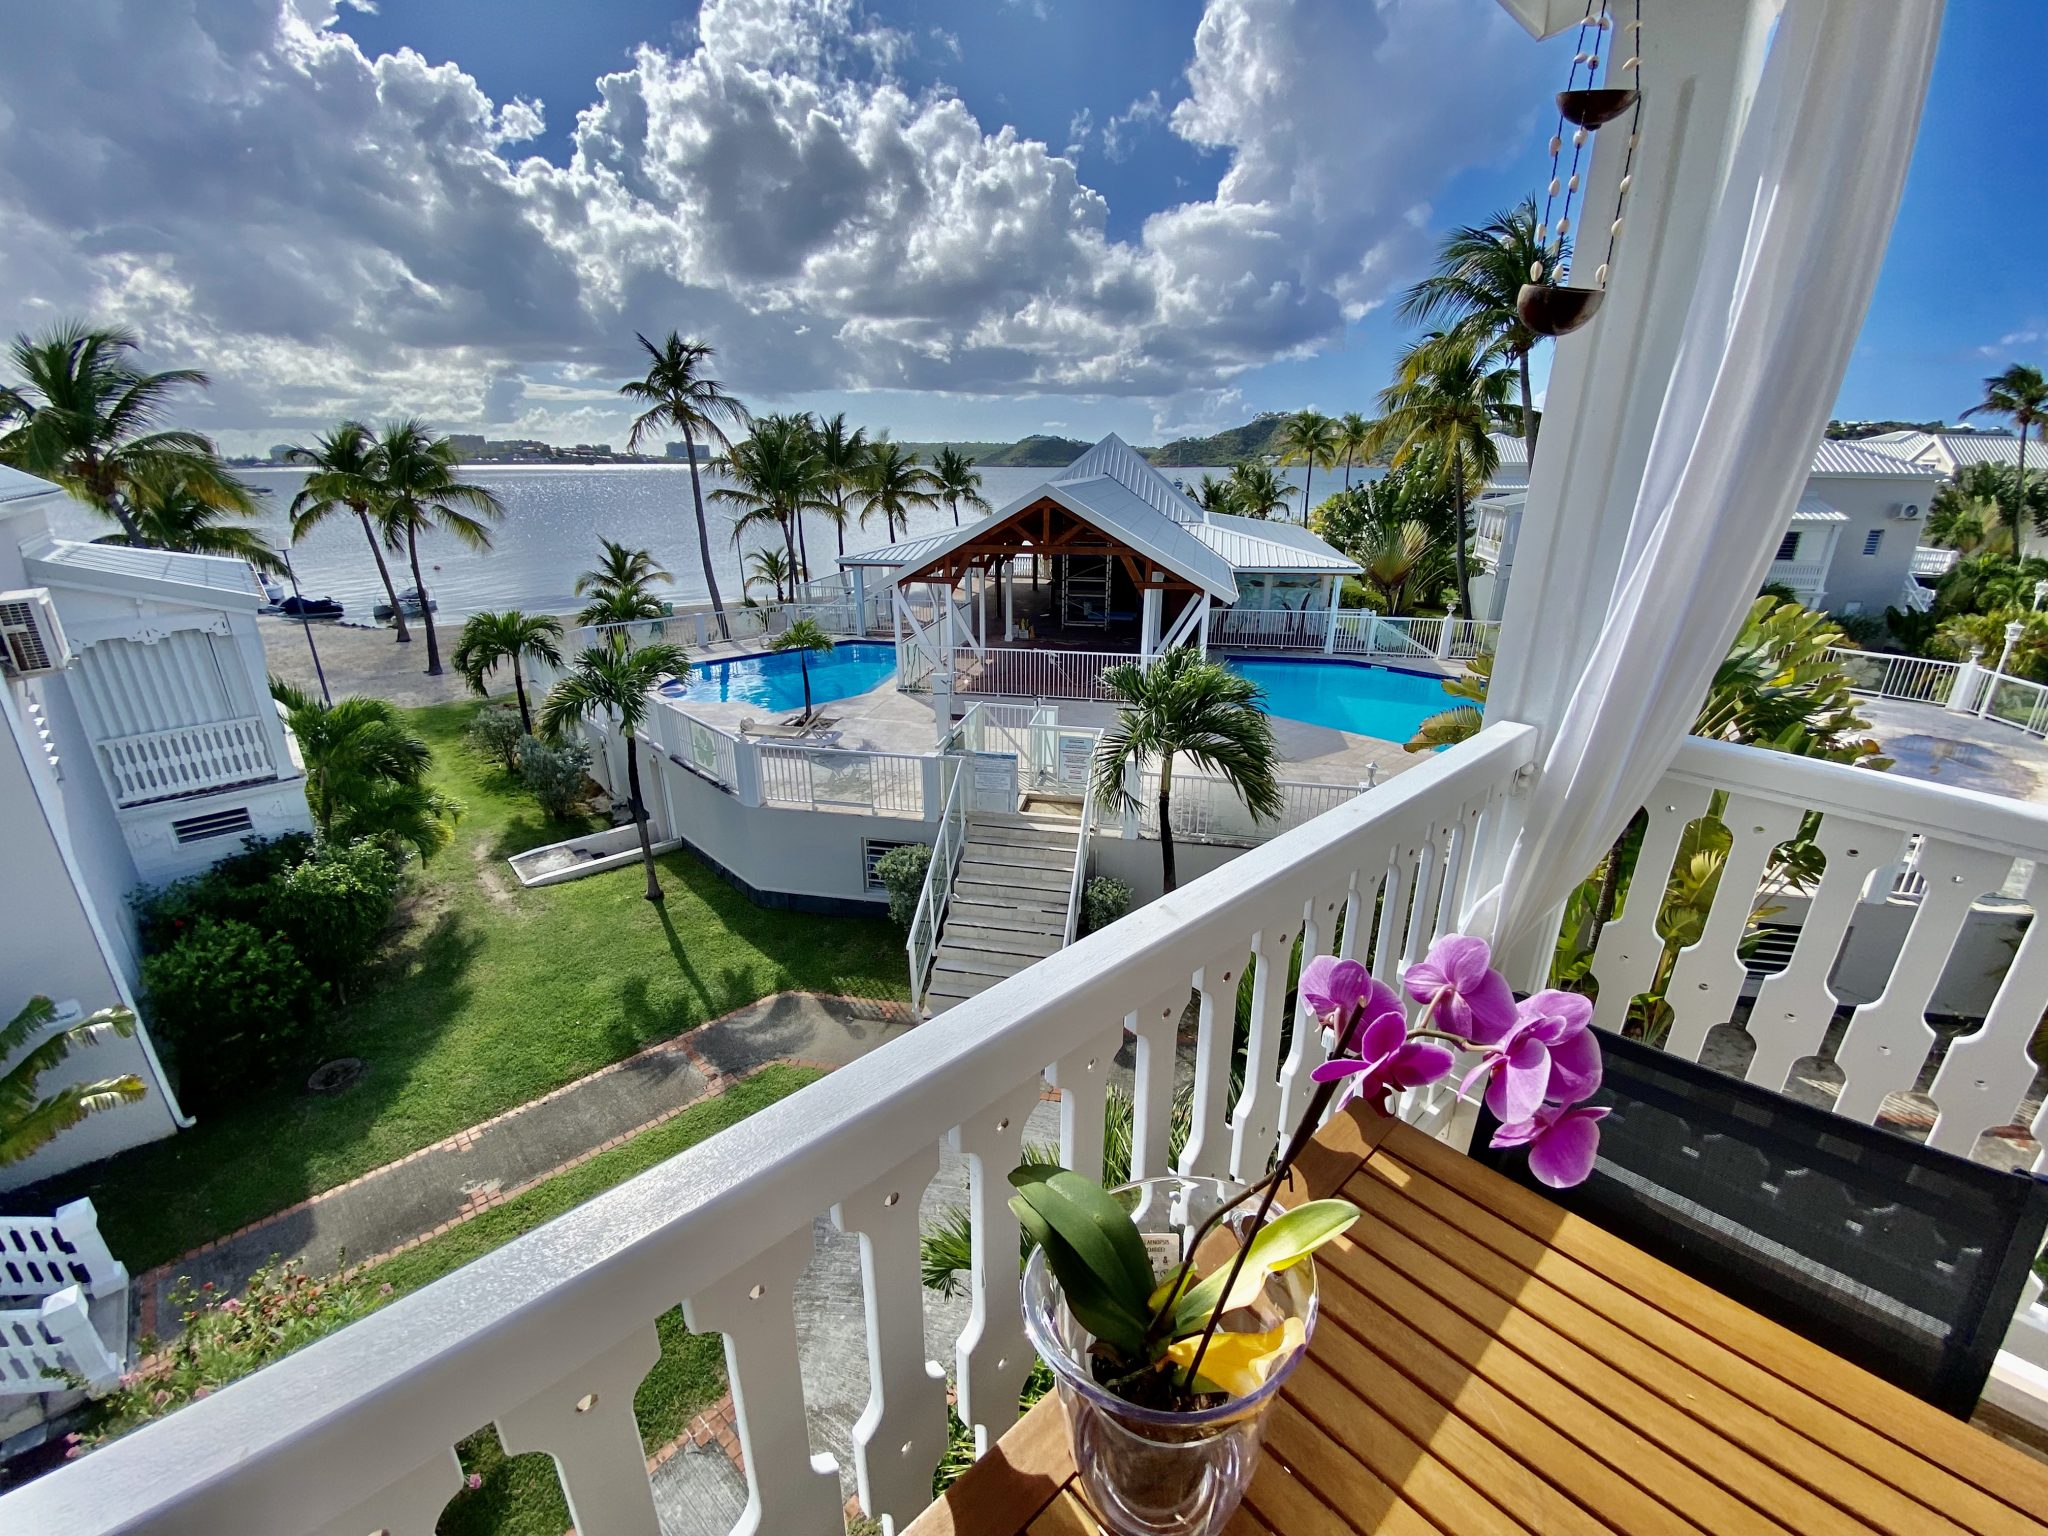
(1457, 981)
(1547, 1055)
(1387, 1058)
(1563, 1142)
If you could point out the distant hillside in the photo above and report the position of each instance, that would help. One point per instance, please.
(1254, 438)
(1851, 430)
(1031, 452)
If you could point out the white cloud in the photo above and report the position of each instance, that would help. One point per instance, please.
(329, 231)
(1079, 127)
(1116, 133)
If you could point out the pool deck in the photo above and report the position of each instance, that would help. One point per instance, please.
(1927, 742)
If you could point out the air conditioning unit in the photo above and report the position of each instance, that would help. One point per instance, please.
(1906, 511)
(31, 640)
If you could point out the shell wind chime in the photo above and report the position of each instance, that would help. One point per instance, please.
(1549, 303)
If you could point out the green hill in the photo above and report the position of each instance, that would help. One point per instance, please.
(1250, 441)
(1032, 452)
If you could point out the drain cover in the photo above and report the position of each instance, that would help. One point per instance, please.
(337, 1075)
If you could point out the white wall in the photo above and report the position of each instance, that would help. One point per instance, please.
(1854, 578)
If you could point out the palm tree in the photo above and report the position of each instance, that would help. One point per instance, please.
(1185, 706)
(417, 491)
(892, 482)
(172, 514)
(1480, 269)
(1309, 438)
(1445, 400)
(804, 637)
(681, 397)
(955, 479)
(490, 638)
(366, 772)
(345, 476)
(616, 680)
(776, 476)
(83, 415)
(1214, 495)
(1401, 560)
(2020, 395)
(1254, 490)
(29, 1122)
(620, 569)
(1354, 441)
(840, 456)
(766, 567)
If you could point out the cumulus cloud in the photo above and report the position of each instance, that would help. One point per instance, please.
(330, 231)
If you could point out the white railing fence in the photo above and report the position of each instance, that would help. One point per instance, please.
(2015, 701)
(45, 1341)
(834, 778)
(923, 941)
(1917, 679)
(1290, 627)
(1079, 886)
(697, 745)
(1206, 809)
(41, 1255)
(1075, 676)
(1059, 760)
(1930, 561)
(186, 760)
(549, 1336)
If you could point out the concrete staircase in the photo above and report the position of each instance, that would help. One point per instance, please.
(1009, 903)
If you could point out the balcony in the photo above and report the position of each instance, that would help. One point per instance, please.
(187, 760)
(548, 1337)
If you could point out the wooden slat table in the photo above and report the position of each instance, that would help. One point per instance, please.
(1487, 1363)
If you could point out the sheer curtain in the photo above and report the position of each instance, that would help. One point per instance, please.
(1784, 285)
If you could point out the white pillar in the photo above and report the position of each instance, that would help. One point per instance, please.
(981, 605)
(1148, 623)
(1009, 599)
(2013, 631)
(860, 600)
(943, 694)
(1202, 631)
(1962, 693)
(1331, 589)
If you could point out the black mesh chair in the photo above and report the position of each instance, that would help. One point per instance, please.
(1905, 1260)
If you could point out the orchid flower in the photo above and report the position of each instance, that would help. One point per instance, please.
(1563, 1141)
(1387, 1058)
(1460, 991)
(1545, 1055)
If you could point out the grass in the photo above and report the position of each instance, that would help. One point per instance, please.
(489, 996)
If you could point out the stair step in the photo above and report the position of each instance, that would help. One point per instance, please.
(1034, 878)
(1004, 893)
(1022, 855)
(1011, 941)
(1018, 820)
(1034, 922)
(1024, 837)
(969, 962)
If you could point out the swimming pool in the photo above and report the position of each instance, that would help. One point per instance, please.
(774, 681)
(1346, 695)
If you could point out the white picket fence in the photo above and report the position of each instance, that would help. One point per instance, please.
(1355, 632)
(1205, 809)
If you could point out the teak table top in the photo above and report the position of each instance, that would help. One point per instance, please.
(1487, 1363)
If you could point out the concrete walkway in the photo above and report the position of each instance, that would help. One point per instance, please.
(1930, 743)
(435, 1188)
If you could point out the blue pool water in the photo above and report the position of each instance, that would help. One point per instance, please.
(1346, 695)
(774, 681)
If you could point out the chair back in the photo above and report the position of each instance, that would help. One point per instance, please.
(1906, 1260)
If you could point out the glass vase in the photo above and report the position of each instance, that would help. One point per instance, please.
(1149, 1472)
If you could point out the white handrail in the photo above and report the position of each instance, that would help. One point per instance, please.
(922, 942)
(1080, 882)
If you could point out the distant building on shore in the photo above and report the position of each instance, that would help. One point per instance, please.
(682, 451)
(467, 445)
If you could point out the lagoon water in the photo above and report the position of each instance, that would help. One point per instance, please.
(554, 516)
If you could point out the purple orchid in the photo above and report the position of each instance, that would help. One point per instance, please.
(1335, 988)
(1563, 1142)
(1546, 1054)
(1460, 990)
(1387, 1058)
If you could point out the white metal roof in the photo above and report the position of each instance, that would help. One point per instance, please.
(16, 486)
(1252, 544)
(1812, 509)
(210, 580)
(1131, 469)
(1833, 456)
(1988, 448)
(909, 552)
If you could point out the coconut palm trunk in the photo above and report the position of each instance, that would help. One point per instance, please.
(419, 587)
(1464, 577)
(1308, 476)
(1166, 865)
(703, 554)
(1528, 410)
(384, 575)
(2019, 514)
(639, 811)
(519, 687)
(803, 661)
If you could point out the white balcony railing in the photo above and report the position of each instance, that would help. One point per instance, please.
(1809, 578)
(1206, 809)
(1929, 561)
(548, 1337)
(1916, 679)
(837, 779)
(187, 760)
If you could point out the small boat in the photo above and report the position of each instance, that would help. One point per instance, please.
(310, 608)
(409, 600)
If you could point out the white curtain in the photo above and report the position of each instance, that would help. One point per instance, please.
(1784, 284)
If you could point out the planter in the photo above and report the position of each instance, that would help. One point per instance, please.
(1150, 1472)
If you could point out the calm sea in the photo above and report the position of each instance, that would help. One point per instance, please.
(554, 517)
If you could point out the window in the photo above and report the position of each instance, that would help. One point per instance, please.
(1788, 547)
(1872, 540)
(871, 851)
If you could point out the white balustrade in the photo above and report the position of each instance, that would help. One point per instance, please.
(1917, 679)
(1274, 627)
(2018, 702)
(186, 760)
(842, 779)
(1029, 673)
(947, 845)
(1206, 809)
(49, 1339)
(41, 1255)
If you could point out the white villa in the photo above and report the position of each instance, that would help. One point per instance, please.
(1948, 452)
(1850, 546)
(140, 744)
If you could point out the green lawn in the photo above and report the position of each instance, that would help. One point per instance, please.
(489, 996)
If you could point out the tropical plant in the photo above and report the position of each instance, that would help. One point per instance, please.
(555, 775)
(1313, 440)
(1966, 512)
(902, 870)
(31, 1119)
(345, 473)
(1401, 562)
(82, 415)
(806, 639)
(680, 396)
(1352, 520)
(333, 905)
(1214, 495)
(1984, 634)
(615, 680)
(490, 639)
(2020, 395)
(1183, 705)
(1445, 400)
(172, 514)
(497, 733)
(1354, 442)
(417, 492)
(1254, 489)
(955, 479)
(766, 568)
(1104, 899)
(1461, 722)
(366, 772)
(893, 483)
(1983, 581)
(1480, 270)
(235, 1004)
(840, 456)
(623, 573)
(777, 475)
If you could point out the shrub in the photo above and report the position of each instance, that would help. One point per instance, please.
(902, 870)
(333, 907)
(1863, 630)
(234, 1003)
(1103, 900)
(557, 776)
(496, 733)
(238, 887)
(224, 1338)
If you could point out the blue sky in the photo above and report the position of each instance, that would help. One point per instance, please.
(954, 219)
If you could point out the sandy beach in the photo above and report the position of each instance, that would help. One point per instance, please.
(361, 660)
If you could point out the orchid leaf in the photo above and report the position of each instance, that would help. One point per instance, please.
(1099, 1230)
(1280, 1244)
(1099, 1310)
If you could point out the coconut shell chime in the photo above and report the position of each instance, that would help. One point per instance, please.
(1549, 303)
